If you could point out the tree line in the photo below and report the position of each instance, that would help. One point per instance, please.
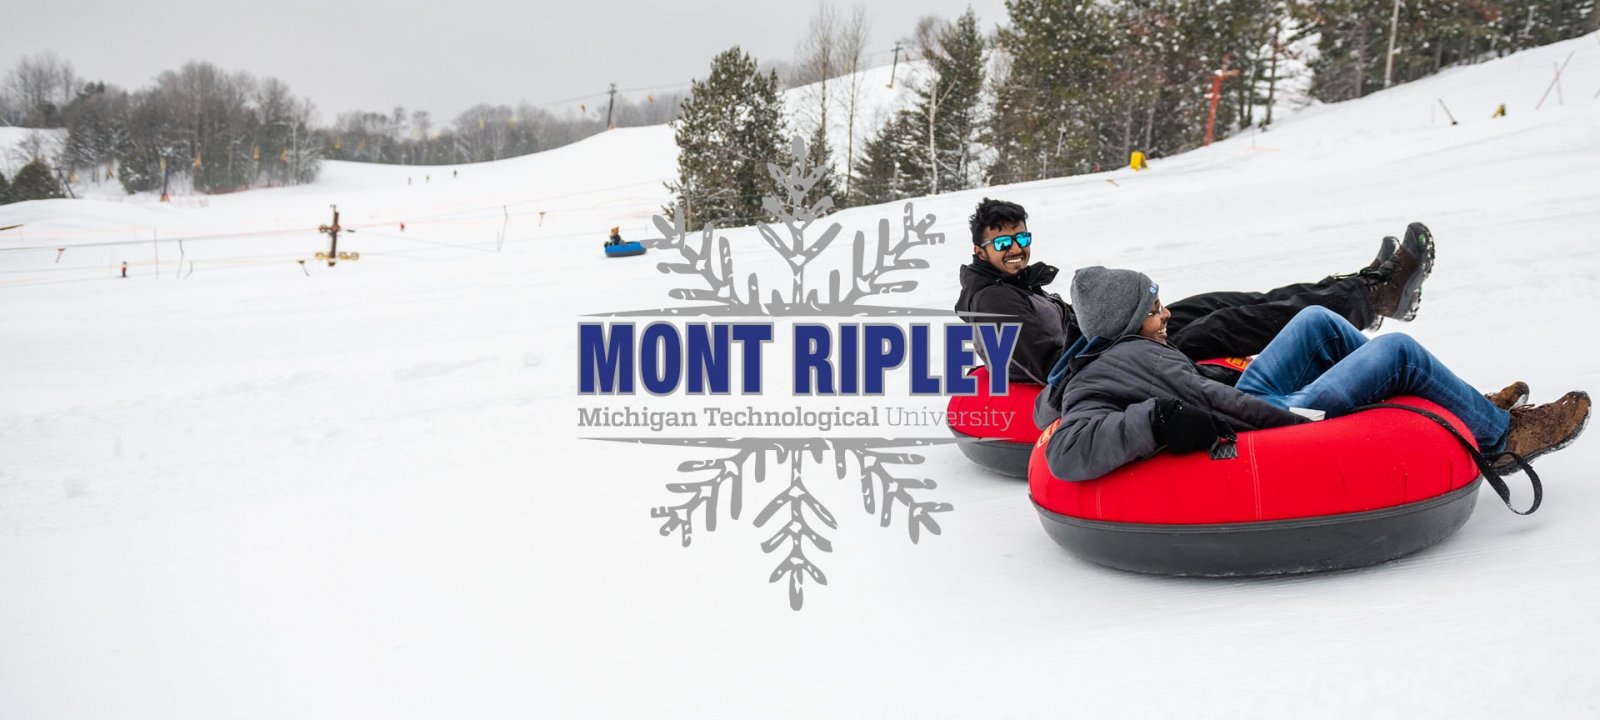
(480, 133)
(202, 127)
(1060, 88)
(214, 130)
(1067, 87)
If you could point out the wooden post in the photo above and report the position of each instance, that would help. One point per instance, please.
(1447, 112)
(1555, 82)
(503, 224)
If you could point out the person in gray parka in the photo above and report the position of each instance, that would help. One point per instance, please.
(1125, 393)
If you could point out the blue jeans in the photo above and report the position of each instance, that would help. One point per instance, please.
(1320, 361)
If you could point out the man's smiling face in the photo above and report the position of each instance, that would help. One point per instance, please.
(1010, 261)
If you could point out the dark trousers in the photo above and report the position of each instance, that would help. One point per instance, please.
(1240, 324)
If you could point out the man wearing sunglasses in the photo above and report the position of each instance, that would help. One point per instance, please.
(1000, 281)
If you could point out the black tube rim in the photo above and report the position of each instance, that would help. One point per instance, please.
(1265, 525)
(1002, 442)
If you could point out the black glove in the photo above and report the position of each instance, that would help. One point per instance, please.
(1181, 428)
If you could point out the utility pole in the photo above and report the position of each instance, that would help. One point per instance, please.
(896, 64)
(1388, 60)
(610, 106)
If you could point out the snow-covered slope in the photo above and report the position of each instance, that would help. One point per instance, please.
(236, 490)
(877, 92)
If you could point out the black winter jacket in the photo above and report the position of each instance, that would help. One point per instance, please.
(1109, 402)
(1048, 324)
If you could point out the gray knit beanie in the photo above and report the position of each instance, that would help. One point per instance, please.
(1112, 303)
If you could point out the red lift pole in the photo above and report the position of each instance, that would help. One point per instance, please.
(1216, 94)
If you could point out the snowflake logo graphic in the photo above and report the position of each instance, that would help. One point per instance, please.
(798, 519)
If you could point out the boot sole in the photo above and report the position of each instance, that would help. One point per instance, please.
(1511, 466)
(1411, 294)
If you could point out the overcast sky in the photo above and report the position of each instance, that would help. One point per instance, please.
(437, 55)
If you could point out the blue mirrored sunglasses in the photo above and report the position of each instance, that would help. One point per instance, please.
(1003, 242)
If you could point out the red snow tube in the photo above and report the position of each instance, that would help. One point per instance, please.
(997, 430)
(1340, 493)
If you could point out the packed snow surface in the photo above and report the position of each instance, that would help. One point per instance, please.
(233, 485)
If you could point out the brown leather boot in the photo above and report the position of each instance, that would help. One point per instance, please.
(1398, 294)
(1510, 396)
(1539, 429)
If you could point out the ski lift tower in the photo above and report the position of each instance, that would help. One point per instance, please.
(333, 255)
(1216, 94)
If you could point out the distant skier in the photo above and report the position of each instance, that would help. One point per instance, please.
(455, 174)
(124, 268)
(616, 237)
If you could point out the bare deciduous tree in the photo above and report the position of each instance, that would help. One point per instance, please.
(816, 60)
(852, 44)
(40, 86)
(926, 40)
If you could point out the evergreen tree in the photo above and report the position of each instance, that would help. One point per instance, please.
(1198, 38)
(5, 190)
(1088, 83)
(729, 129)
(1429, 36)
(1350, 47)
(35, 181)
(886, 168)
(1529, 23)
(819, 154)
(1046, 119)
(95, 129)
(948, 105)
(152, 141)
(1136, 101)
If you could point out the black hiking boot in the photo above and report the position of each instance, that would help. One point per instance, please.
(1385, 251)
(1374, 274)
(1399, 292)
